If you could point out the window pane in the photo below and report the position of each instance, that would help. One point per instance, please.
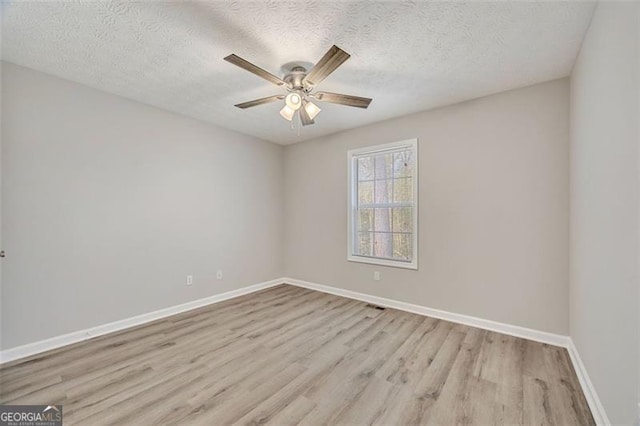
(383, 245)
(402, 219)
(365, 168)
(383, 191)
(403, 190)
(403, 164)
(365, 244)
(383, 166)
(365, 220)
(382, 220)
(365, 192)
(402, 246)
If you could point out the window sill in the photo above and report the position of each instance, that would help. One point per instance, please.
(383, 262)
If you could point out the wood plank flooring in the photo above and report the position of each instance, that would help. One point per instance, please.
(289, 355)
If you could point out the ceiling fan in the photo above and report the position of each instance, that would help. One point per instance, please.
(301, 85)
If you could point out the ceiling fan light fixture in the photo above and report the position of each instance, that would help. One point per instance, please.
(287, 113)
(300, 86)
(312, 109)
(293, 101)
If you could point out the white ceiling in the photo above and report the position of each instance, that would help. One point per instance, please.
(406, 55)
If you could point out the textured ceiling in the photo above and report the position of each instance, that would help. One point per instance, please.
(406, 55)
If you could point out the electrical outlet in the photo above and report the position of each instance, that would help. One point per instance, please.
(189, 279)
(376, 275)
(219, 274)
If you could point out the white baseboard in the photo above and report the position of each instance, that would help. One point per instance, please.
(589, 391)
(23, 351)
(597, 410)
(512, 330)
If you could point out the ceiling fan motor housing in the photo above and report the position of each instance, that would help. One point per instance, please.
(296, 77)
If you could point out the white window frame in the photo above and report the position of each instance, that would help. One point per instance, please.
(352, 203)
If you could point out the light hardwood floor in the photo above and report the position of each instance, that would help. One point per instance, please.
(289, 355)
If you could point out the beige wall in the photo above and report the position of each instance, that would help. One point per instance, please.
(493, 226)
(604, 207)
(108, 204)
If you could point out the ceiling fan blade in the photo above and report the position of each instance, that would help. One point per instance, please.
(304, 117)
(244, 64)
(337, 98)
(328, 64)
(260, 101)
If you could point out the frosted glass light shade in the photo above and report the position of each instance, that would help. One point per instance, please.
(287, 113)
(293, 101)
(312, 109)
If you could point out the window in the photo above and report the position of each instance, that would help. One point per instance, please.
(383, 204)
